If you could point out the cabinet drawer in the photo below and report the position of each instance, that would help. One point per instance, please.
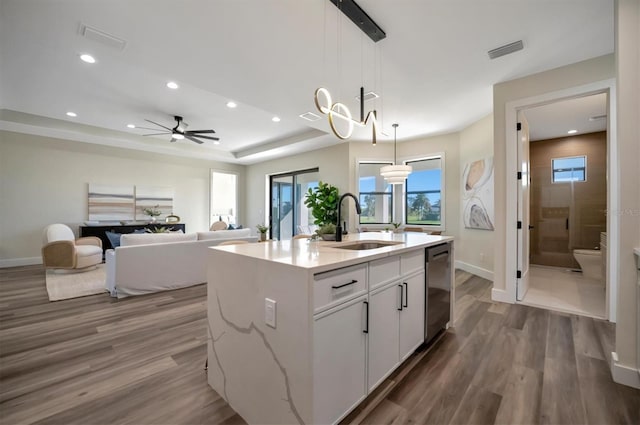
(384, 270)
(337, 286)
(412, 261)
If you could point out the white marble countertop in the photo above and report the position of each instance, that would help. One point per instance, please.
(319, 256)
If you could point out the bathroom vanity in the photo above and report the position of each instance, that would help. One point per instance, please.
(302, 331)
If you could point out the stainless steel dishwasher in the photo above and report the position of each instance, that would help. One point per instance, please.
(438, 290)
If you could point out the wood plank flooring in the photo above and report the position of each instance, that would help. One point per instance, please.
(96, 360)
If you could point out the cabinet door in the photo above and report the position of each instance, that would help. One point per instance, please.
(339, 367)
(383, 333)
(412, 315)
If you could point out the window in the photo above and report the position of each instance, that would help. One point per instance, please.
(375, 194)
(289, 215)
(569, 169)
(423, 203)
(224, 197)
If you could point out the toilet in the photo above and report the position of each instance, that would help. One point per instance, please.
(590, 261)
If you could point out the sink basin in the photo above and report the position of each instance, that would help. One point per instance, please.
(360, 246)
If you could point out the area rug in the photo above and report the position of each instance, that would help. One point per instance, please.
(62, 286)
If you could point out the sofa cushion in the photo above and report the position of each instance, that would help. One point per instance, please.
(151, 238)
(224, 234)
(114, 238)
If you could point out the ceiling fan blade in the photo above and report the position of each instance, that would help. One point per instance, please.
(193, 139)
(159, 125)
(203, 137)
(200, 131)
(147, 128)
(155, 134)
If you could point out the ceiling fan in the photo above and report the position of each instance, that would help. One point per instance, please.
(180, 131)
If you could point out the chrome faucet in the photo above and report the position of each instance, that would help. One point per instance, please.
(358, 210)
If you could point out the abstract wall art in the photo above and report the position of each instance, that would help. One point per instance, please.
(154, 196)
(477, 194)
(111, 202)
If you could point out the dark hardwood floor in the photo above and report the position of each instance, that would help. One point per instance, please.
(95, 360)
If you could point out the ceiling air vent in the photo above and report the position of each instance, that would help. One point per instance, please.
(102, 37)
(310, 116)
(506, 49)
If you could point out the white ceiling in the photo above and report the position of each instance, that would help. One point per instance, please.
(585, 114)
(432, 70)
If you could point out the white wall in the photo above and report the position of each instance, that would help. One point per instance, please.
(628, 85)
(333, 168)
(45, 180)
(474, 247)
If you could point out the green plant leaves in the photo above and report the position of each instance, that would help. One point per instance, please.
(323, 203)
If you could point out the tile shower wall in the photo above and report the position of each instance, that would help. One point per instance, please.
(567, 216)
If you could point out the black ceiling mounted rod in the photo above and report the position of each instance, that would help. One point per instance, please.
(359, 17)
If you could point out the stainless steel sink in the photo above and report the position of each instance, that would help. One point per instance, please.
(360, 246)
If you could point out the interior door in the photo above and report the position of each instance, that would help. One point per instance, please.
(523, 206)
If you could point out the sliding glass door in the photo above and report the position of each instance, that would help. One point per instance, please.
(288, 212)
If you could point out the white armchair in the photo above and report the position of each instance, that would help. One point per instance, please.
(61, 250)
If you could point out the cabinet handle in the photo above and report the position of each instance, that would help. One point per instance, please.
(366, 317)
(344, 284)
(406, 294)
(401, 292)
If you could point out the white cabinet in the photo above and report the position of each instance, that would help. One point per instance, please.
(368, 319)
(412, 314)
(340, 347)
(396, 312)
(383, 332)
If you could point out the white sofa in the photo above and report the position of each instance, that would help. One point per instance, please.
(151, 262)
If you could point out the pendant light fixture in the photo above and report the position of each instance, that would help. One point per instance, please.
(395, 174)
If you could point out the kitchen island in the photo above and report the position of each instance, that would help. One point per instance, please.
(302, 331)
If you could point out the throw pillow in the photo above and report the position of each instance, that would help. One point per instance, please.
(114, 239)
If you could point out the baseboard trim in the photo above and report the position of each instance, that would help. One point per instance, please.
(501, 295)
(16, 262)
(622, 374)
(478, 271)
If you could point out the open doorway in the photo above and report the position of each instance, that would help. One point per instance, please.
(513, 154)
(566, 197)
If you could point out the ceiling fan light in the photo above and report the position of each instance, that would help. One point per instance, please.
(395, 174)
(178, 136)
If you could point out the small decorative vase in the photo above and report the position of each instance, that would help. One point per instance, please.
(152, 220)
(263, 237)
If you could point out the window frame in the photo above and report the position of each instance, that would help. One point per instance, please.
(405, 192)
(236, 214)
(553, 170)
(392, 194)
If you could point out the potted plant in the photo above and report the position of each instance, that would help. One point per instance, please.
(327, 232)
(396, 227)
(323, 203)
(262, 229)
(152, 212)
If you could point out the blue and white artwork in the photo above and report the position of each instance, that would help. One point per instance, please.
(477, 194)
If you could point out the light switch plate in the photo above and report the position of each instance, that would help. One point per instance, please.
(270, 312)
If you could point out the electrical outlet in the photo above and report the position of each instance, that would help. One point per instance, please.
(270, 312)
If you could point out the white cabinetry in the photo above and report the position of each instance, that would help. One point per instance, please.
(384, 337)
(340, 347)
(396, 312)
(412, 314)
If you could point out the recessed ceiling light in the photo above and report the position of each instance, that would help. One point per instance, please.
(72, 114)
(231, 104)
(275, 119)
(368, 96)
(172, 85)
(131, 125)
(216, 142)
(309, 116)
(87, 58)
(572, 131)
